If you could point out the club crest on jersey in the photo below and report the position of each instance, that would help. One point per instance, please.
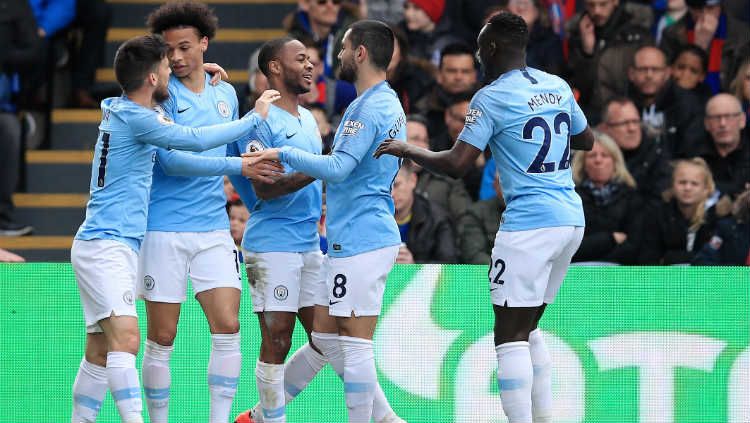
(161, 115)
(127, 297)
(148, 282)
(254, 146)
(280, 293)
(223, 108)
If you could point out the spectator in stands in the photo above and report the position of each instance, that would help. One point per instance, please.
(689, 71)
(20, 49)
(53, 16)
(727, 149)
(92, 18)
(410, 78)
(602, 42)
(446, 192)
(544, 49)
(324, 126)
(669, 113)
(719, 34)
(388, 11)
(230, 192)
(612, 207)
(478, 227)
(427, 28)
(8, 257)
(256, 83)
(675, 10)
(680, 226)
(740, 87)
(730, 244)
(454, 118)
(645, 158)
(425, 227)
(238, 216)
(457, 76)
(323, 21)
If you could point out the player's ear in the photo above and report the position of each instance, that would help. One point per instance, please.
(360, 54)
(274, 66)
(153, 79)
(204, 44)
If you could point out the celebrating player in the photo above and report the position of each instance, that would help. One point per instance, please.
(530, 121)
(105, 250)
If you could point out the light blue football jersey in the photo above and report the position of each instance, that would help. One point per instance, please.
(288, 223)
(360, 207)
(124, 157)
(184, 203)
(527, 116)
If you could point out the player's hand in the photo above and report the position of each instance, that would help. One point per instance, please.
(217, 73)
(619, 237)
(263, 103)
(404, 255)
(393, 147)
(269, 154)
(588, 36)
(261, 170)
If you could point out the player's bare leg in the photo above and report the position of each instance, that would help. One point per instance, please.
(90, 386)
(221, 307)
(515, 374)
(161, 330)
(123, 340)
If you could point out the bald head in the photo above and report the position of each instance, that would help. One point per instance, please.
(724, 121)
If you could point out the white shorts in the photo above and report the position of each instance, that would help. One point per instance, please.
(105, 272)
(284, 281)
(168, 258)
(528, 267)
(356, 284)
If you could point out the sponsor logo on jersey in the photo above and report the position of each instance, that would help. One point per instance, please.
(472, 115)
(352, 127)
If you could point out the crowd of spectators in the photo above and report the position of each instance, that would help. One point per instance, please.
(666, 83)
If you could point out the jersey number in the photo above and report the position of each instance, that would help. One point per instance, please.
(103, 159)
(498, 263)
(539, 165)
(339, 290)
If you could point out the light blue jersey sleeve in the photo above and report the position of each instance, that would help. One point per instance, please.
(180, 163)
(479, 125)
(577, 119)
(150, 127)
(242, 185)
(333, 168)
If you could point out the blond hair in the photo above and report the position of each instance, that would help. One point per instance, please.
(620, 173)
(698, 217)
(735, 87)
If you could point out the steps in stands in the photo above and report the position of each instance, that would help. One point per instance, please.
(58, 179)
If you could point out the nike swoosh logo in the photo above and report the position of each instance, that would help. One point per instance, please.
(492, 289)
(180, 111)
(290, 135)
(333, 302)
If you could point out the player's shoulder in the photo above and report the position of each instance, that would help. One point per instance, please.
(227, 90)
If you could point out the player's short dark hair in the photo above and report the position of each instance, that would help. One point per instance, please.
(694, 49)
(456, 49)
(136, 58)
(416, 117)
(270, 51)
(377, 38)
(178, 14)
(509, 29)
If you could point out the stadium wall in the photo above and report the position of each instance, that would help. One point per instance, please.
(639, 344)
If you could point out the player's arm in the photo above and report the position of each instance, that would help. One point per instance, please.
(151, 129)
(583, 141)
(180, 163)
(284, 185)
(454, 162)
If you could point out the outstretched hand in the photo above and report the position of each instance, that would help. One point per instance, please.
(260, 170)
(269, 154)
(263, 103)
(217, 73)
(392, 147)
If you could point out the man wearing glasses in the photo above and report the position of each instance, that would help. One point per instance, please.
(669, 113)
(646, 158)
(727, 147)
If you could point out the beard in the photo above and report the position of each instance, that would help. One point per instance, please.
(348, 72)
(161, 94)
(294, 85)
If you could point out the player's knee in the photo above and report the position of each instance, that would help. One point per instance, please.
(228, 325)
(126, 341)
(280, 340)
(163, 336)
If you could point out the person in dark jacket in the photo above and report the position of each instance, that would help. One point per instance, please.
(670, 114)
(425, 227)
(410, 78)
(602, 42)
(611, 205)
(478, 227)
(730, 244)
(680, 226)
(646, 159)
